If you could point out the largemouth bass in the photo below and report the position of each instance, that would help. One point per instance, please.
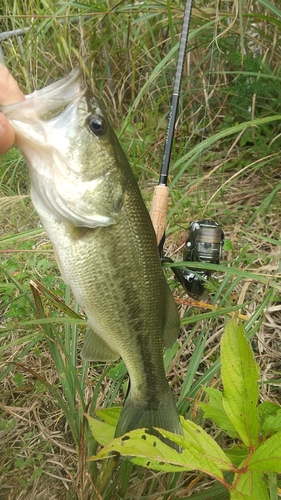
(88, 200)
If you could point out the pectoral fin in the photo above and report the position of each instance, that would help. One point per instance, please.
(76, 232)
(95, 348)
(172, 325)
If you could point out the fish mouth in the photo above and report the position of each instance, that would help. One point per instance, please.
(62, 85)
(51, 100)
(31, 118)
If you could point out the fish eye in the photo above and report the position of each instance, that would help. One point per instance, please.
(97, 125)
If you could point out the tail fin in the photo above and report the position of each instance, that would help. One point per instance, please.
(139, 414)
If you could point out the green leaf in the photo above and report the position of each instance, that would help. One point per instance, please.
(266, 409)
(110, 415)
(169, 355)
(269, 415)
(273, 485)
(42, 290)
(237, 454)
(272, 424)
(103, 432)
(236, 495)
(267, 457)
(118, 371)
(215, 410)
(228, 245)
(148, 451)
(37, 473)
(239, 375)
(194, 434)
(250, 485)
(19, 462)
(270, 6)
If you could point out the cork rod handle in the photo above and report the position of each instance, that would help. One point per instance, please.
(158, 211)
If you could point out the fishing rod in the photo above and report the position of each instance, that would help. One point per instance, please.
(205, 240)
(159, 206)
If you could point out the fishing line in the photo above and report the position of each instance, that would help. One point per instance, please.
(206, 93)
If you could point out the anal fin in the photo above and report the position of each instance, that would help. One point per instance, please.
(95, 348)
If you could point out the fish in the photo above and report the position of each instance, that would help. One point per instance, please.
(89, 202)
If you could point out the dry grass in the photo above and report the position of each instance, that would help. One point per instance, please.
(34, 433)
(232, 181)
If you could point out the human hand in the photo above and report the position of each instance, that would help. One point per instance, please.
(9, 94)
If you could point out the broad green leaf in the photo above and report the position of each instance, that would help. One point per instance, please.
(239, 375)
(214, 409)
(267, 457)
(102, 432)
(269, 415)
(236, 495)
(265, 410)
(194, 434)
(237, 454)
(110, 415)
(251, 485)
(272, 424)
(117, 371)
(148, 451)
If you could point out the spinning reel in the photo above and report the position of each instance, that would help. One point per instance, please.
(204, 244)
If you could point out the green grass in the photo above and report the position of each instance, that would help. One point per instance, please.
(225, 165)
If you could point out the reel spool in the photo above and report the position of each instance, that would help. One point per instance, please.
(204, 244)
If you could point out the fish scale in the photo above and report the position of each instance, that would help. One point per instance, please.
(90, 205)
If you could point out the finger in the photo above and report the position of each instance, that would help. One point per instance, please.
(9, 94)
(7, 134)
(9, 89)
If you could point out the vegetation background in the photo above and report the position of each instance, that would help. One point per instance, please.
(225, 165)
